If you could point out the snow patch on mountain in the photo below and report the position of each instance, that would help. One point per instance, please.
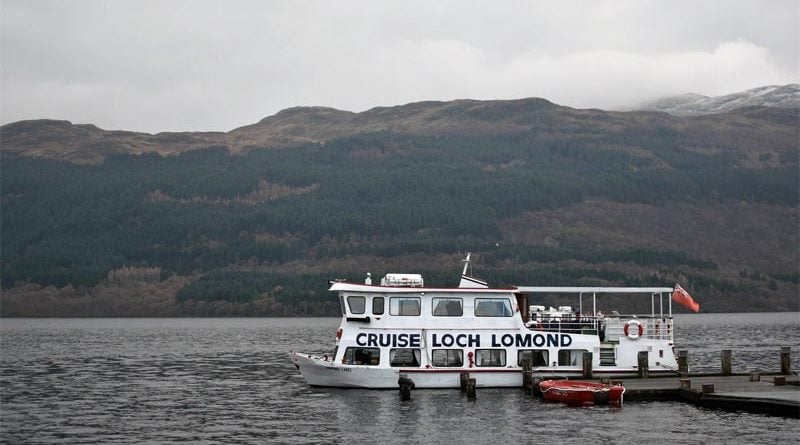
(780, 96)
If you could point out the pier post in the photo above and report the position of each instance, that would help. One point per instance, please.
(786, 363)
(464, 378)
(471, 384)
(535, 386)
(587, 365)
(527, 373)
(406, 385)
(643, 364)
(683, 362)
(726, 361)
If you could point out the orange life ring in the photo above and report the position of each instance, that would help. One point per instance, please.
(634, 335)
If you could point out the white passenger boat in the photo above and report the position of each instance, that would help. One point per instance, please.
(434, 334)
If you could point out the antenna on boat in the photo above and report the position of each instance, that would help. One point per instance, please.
(466, 263)
(468, 281)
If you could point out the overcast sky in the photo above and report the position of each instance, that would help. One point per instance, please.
(215, 65)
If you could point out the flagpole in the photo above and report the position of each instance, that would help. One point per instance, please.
(670, 306)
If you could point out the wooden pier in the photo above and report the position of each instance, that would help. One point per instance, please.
(727, 392)
(775, 393)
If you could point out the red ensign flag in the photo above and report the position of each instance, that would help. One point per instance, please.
(683, 298)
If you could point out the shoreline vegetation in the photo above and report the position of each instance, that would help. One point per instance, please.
(144, 292)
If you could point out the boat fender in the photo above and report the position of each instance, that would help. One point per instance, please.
(634, 334)
(339, 333)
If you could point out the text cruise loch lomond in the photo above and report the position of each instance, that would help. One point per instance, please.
(434, 334)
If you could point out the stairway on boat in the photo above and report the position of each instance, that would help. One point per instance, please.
(608, 356)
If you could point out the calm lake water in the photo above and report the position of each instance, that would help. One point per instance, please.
(230, 381)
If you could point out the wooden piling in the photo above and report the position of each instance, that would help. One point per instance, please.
(471, 384)
(643, 364)
(464, 378)
(587, 365)
(786, 362)
(726, 361)
(405, 392)
(535, 391)
(406, 385)
(683, 362)
(779, 380)
(527, 373)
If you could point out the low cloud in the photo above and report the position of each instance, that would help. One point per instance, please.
(170, 66)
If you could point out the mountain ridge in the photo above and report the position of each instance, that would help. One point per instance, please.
(89, 144)
(691, 104)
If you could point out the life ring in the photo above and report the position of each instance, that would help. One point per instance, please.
(325, 358)
(634, 335)
(339, 333)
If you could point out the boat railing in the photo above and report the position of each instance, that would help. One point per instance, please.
(652, 327)
(587, 325)
(610, 328)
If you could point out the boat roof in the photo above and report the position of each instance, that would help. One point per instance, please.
(590, 290)
(343, 286)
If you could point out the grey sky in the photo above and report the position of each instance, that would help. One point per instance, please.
(202, 65)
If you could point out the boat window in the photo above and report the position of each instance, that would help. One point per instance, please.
(341, 305)
(447, 357)
(377, 305)
(490, 357)
(404, 357)
(404, 306)
(570, 357)
(538, 357)
(492, 307)
(357, 304)
(447, 307)
(362, 356)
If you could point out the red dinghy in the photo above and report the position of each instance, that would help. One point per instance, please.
(577, 392)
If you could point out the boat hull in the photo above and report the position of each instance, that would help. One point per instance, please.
(322, 371)
(581, 393)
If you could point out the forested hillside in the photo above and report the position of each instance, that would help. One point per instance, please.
(542, 194)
